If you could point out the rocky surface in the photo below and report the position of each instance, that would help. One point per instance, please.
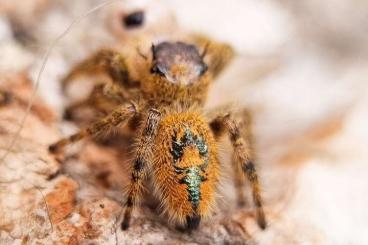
(304, 80)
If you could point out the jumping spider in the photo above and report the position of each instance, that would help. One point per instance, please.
(173, 138)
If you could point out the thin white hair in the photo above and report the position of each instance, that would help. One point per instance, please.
(43, 66)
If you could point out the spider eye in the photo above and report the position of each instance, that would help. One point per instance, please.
(134, 19)
(203, 69)
(156, 70)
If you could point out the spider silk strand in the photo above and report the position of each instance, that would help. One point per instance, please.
(39, 75)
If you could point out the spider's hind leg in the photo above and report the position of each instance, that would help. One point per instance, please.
(245, 130)
(243, 156)
(239, 183)
(140, 165)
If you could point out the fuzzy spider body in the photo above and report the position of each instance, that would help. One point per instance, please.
(185, 166)
(174, 139)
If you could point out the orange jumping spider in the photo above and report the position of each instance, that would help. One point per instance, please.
(173, 138)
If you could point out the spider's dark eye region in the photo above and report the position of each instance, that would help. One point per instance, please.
(134, 19)
(178, 62)
(203, 69)
(156, 70)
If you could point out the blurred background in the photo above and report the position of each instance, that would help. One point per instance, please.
(301, 68)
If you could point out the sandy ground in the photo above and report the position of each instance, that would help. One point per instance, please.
(301, 67)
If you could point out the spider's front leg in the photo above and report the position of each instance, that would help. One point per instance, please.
(103, 97)
(106, 61)
(116, 118)
(142, 159)
(243, 157)
(217, 55)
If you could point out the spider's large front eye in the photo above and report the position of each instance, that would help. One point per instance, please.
(134, 19)
(156, 70)
(203, 69)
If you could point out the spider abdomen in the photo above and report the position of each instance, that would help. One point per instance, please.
(185, 167)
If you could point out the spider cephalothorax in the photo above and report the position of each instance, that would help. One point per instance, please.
(179, 62)
(177, 73)
(174, 138)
